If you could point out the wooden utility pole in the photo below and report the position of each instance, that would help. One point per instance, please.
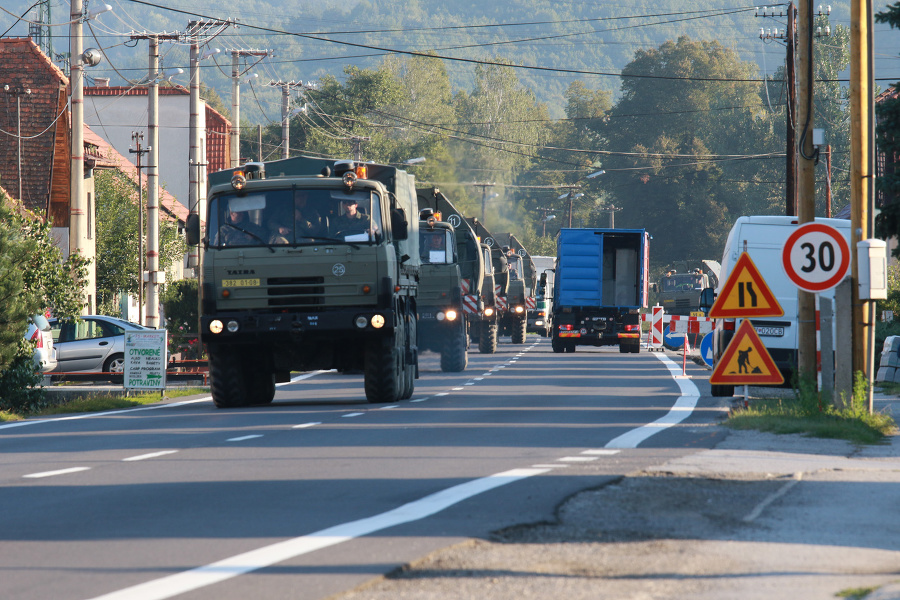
(790, 204)
(806, 301)
(861, 182)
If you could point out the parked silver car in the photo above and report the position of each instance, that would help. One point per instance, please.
(91, 344)
(40, 333)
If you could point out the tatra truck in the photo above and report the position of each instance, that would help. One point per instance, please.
(600, 286)
(308, 264)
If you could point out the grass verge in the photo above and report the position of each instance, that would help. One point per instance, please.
(104, 402)
(807, 414)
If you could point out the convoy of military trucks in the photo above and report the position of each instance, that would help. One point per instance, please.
(343, 265)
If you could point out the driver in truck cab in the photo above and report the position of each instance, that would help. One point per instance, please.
(238, 230)
(351, 221)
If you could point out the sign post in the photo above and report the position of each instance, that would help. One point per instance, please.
(145, 359)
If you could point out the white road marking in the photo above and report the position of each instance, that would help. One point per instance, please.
(186, 581)
(148, 456)
(469, 383)
(555, 466)
(302, 377)
(602, 452)
(577, 458)
(305, 425)
(54, 473)
(389, 407)
(682, 409)
(244, 438)
(349, 415)
(421, 399)
(443, 394)
(480, 378)
(456, 389)
(757, 510)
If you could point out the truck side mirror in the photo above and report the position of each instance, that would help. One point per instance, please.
(543, 279)
(707, 299)
(192, 229)
(399, 224)
(654, 287)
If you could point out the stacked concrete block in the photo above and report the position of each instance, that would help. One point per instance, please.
(889, 367)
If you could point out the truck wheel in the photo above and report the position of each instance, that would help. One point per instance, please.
(570, 346)
(262, 385)
(409, 372)
(487, 341)
(226, 379)
(720, 391)
(557, 344)
(518, 331)
(383, 372)
(453, 355)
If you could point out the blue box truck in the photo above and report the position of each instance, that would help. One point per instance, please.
(600, 287)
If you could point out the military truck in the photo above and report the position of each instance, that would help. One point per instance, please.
(495, 289)
(309, 264)
(450, 284)
(601, 284)
(522, 283)
(680, 286)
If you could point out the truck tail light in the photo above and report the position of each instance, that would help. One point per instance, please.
(566, 327)
(632, 327)
(728, 325)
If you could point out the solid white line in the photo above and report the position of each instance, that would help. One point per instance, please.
(243, 438)
(773, 497)
(53, 473)
(184, 582)
(305, 425)
(302, 377)
(682, 409)
(151, 455)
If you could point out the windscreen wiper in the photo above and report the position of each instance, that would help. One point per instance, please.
(253, 235)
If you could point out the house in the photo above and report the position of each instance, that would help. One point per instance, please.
(115, 112)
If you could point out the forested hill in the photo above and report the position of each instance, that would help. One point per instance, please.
(588, 41)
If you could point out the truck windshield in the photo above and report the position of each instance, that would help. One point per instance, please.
(293, 216)
(436, 246)
(683, 283)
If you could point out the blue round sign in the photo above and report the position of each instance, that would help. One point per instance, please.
(673, 340)
(706, 349)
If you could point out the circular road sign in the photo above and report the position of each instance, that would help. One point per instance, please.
(816, 257)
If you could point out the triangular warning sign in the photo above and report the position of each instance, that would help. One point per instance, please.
(745, 294)
(746, 361)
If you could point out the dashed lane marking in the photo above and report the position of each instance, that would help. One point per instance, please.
(244, 438)
(149, 456)
(57, 472)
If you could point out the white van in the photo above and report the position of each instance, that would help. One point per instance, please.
(763, 237)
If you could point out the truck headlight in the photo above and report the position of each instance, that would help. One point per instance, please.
(215, 326)
(440, 316)
(520, 309)
(233, 326)
(451, 315)
(488, 311)
(378, 321)
(361, 321)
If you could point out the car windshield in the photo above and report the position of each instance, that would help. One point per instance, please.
(294, 216)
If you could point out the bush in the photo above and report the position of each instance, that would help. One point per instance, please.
(20, 390)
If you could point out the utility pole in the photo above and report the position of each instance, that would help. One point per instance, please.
(806, 301)
(137, 138)
(19, 91)
(235, 137)
(861, 179)
(357, 141)
(286, 87)
(484, 198)
(790, 37)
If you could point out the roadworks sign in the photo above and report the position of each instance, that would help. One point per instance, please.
(746, 361)
(745, 294)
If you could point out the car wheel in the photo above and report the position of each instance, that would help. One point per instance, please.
(115, 364)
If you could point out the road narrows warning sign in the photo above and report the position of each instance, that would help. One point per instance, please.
(746, 361)
(745, 294)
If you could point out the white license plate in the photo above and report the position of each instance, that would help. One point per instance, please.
(770, 331)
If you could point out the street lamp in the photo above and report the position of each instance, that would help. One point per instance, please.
(414, 161)
(544, 224)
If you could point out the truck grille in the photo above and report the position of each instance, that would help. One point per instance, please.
(296, 291)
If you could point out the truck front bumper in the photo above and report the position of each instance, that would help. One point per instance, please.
(247, 327)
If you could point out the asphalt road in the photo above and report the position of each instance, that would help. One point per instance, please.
(321, 492)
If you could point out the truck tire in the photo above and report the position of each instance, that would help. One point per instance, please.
(518, 331)
(454, 357)
(557, 344)
(262, 385)
(720, 391)
(383, 371)
(570, 346)
(226, 379)
(487, 341)
(409, 368)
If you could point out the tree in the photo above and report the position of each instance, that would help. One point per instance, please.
(118, 241)
(689, 112)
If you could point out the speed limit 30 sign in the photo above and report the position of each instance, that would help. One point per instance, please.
(816, 257)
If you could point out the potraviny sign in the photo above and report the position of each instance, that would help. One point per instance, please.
(145, 359)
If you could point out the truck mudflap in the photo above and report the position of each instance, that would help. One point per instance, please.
(240, 327)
